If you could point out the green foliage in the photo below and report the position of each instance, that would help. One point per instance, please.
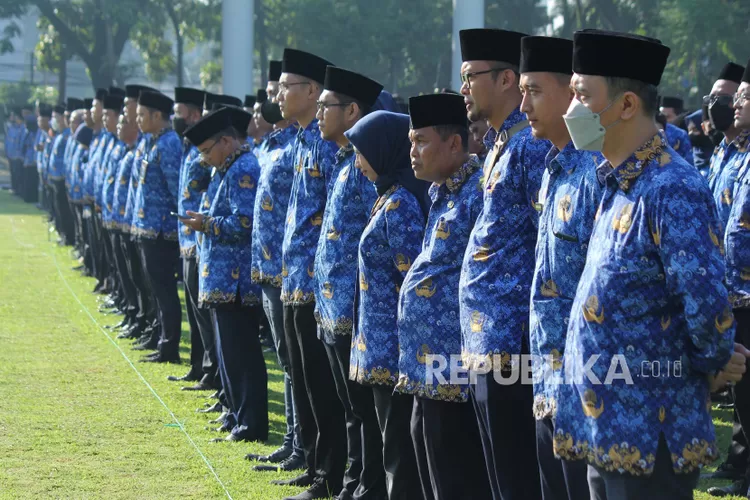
(210, 74)
(16, 94)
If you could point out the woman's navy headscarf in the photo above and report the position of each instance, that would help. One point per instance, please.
(382, 137)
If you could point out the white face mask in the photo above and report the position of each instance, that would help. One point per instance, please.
(585, 126)
(56, 126)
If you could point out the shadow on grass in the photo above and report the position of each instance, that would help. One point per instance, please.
(13, 205)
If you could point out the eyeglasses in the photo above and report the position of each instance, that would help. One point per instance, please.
(740, 98)
(709, 100)
(466, 77)
(204, 154)
(283, 87)
(322, 106)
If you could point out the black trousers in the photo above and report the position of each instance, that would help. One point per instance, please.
(321, 415)
(508, 432)
(365, 476)
(30, 184)
(159, 258)
(82, 229)
(146, 308)
(123, 275)
(394, 417)
(92, 243)
(448, 451)
(243, 370)
(16, 175)
(662, 484)
(63, 216)
(561, 479)
(202, 343)
(741, 390)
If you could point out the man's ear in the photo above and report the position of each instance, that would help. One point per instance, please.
(630, 106)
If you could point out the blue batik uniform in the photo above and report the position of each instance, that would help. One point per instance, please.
(29, 148)
(89, 170)
(57, 160)
(651, 293)
(40, 142)
(428, 314)
(158, 187)
(679, 140)
(101, 173)
(390, 243)
(135, 178)
(569, 198)
(737, 240)
(194, 179)
(271, 203)
(122, 184)
(499, 260)
(77, 166)
(312, 158)
(725, 164)
(110, 183)
(350, 200)
(13, 136)
(227, 228)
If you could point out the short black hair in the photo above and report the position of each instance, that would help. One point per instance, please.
(646, 92)
(446, 131)
(500, 67)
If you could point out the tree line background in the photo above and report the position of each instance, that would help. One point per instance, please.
(406, 45)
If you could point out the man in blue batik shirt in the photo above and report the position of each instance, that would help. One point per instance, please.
(737, 245)
(651, 293)
(499, 260)
(194, 178)
(321, 415)
(56, 177)
(12, 150)
(225, 282)
(722, 175)
(568, 200)
(271, 203)
(42, 142)
(154, 228)
(146, 331)
(347, 97)
(29, 148)
(443, 423)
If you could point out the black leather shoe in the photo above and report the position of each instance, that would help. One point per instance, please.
(319, 489)
(277, 456)
(345, 495)
(223, 428)
(232, 438)
(132, 333)
(188, 377)
(216, 408)
(302, 481)
(725, 471)
(290, 464)
(737, 488)
(122, 324)
(220, 419)
(149, 345)
(160, 359)
(200, 386)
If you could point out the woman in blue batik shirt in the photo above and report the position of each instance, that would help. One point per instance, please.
(389, 244)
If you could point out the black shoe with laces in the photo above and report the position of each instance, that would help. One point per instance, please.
(319, 489)
(290, 464)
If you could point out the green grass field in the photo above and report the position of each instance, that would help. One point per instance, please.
(78, 420)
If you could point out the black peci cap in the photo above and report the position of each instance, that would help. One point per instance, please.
(134, 91)
(187, 95)
(261, 96)
(101, 94)
(671, 102)
(59, 109)
(116, 91)
(114, 102)
(73, 103)
(249, 101)
(619, 55)
(746, 74)
(45, 110)
(157, 101)
(208, 126)
(274, 71)
(732, 72)
(88, 102)
(546, 54)
(84, 135)
(491, 45)
(437, 109)
(304, 64)
(352, 84)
